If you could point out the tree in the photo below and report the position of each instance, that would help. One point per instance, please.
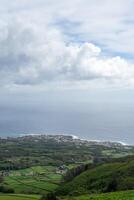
(111, 186)
(1, 179)
(49, 196)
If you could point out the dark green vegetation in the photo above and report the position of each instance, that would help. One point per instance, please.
(29, 151)
(127, 195)
(61, 165)
(108, 177)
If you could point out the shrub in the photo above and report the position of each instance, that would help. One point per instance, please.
(49, 196)
(111, 186)
(6, 189)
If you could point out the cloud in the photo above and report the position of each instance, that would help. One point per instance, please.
(36, 47)
(108, 23)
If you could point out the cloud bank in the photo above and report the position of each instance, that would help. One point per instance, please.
(42, 43)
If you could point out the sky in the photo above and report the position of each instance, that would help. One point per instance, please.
(66, 55)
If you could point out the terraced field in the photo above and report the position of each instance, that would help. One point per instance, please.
(34, 180)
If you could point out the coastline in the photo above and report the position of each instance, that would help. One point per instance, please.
(74, 137)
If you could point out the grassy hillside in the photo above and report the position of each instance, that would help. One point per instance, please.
(128, 195)
(19, 197)
(104, 178)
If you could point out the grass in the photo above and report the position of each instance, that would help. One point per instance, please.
(38, 179)
(19, 197)
(127, 195)
(113, 153)
(103, 178)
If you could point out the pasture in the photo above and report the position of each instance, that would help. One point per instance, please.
(39, 179)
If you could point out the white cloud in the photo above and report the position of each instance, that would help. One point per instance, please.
(36, 50)
(109, 23)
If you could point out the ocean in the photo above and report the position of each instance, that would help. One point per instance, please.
(90, 120)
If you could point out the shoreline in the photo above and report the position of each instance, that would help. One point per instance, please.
(74, 137)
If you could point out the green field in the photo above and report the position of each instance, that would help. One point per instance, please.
(65, 168)
(38, 179)
(128, 195)
(19, 197)
(115, 154)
